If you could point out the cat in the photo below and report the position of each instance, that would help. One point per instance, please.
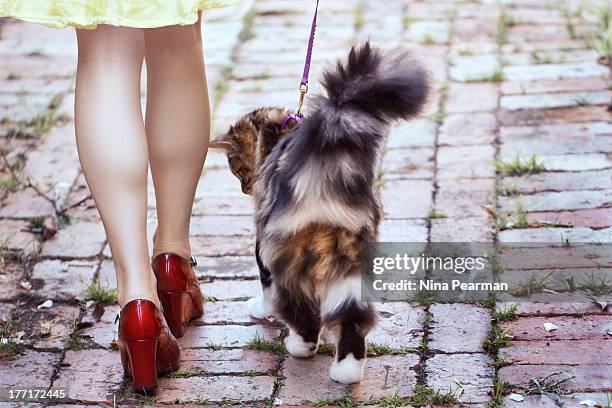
(316, 201)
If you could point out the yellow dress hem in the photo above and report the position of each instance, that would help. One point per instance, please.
(120, 21)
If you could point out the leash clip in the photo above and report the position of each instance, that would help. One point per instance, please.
(303, 92)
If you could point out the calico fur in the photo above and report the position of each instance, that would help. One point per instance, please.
(316, 201)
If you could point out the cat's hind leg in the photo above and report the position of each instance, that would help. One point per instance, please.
(262, 306)
(350, 321)
(302, 317)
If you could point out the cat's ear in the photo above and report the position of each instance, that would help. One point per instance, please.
(223, 142)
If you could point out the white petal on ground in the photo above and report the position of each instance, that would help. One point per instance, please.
(47, 304)
(550, 327)
(516, 397)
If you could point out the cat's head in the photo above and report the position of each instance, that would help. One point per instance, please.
(248, 142)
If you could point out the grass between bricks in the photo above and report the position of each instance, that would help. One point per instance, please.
(505, 315)
(500, 388)
(496, 339)
(521, 217)
(601, 41)
(359, 12)
(41, 123)
(7, 345)
(505, 21)
(272, 346)
(495, 76)
(531, 285)
(433, 215)
(246, 33)
(519, 166)
(422, 396)
(100, 294)
(75, 341)
(372, 350)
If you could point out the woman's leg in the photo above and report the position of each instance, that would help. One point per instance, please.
(178, 126)
(112, 148)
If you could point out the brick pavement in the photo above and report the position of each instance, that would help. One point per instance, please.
(510, 79)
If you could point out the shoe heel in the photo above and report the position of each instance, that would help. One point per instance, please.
(143, 364)
(175, 304)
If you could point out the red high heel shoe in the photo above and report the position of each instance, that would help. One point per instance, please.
(178, 291)
(147, 346)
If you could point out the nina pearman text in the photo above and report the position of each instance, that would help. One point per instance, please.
(430, 285)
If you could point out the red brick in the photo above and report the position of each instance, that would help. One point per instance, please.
(399, 325)
(225, 225)
(538, 256)
(50, 328)
(11, 278)
(467, 129)
(91, 375)
(223, 246)
(561, 181)
(408, 163)
(225, 336)
(559, 352)
(54, 165)
(464, 197)
(419, 204)
(31, 368)
(570, 328)
(474, 28)
(16, 237)
(387, 376)
(397, 230)
(458, 328)
(231, 289)
(456, 162)
(587, 377)
(562, 115)
(227, 362)
(556, 279)
(549, 401)
(307, 380)
(214, 389)
(80, 240)
(480, 97)
(26, 204)
(64, 279)
(473, 371)
(239, 205)
(557, 309)
(462, 229)
(553, 85)
(104, 331)
(526, 33)
(593, 218)
(232, 267)
(225, 312)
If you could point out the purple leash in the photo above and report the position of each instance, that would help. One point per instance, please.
(297, 117)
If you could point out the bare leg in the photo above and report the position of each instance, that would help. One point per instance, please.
(113, 149)
(178, 127)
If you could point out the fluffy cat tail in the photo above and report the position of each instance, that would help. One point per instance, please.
(388, 87)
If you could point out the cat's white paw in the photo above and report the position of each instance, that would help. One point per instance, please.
(297, 347)
(257, 308)
(347, 371)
